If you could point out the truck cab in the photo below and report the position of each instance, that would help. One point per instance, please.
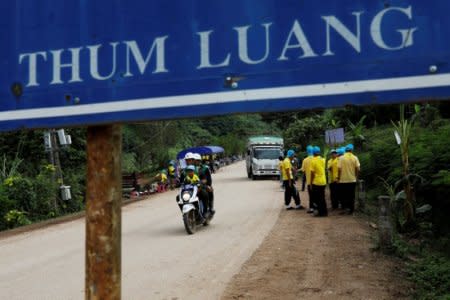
(262, 156)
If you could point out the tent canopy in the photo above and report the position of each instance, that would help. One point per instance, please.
(202, 150)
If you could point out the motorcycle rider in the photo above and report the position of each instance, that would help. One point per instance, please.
(204, 174)
(192, 178)
(189, 158)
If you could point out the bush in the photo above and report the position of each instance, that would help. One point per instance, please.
(6, 204)
(46, 193)
(15, 218)
(431, 276)
(21, 190)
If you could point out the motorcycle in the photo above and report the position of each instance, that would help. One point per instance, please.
(192, 208)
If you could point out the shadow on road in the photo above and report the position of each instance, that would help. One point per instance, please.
(168, 231)
(244, 178)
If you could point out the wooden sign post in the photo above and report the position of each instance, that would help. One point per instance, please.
(103, 212)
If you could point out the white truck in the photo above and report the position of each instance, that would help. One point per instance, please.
(262, 156)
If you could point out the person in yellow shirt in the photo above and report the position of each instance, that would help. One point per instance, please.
(307, 175)
(191, 177)
(172, 176)
(289, 184)
(332, 167)
(280, 167)
(161, 179)
(318, 183)
(348, 171)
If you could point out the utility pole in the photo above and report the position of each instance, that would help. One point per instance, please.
(53, 147)
(56, 160)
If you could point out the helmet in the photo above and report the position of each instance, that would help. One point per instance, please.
(309, 149)
(189, 155)
(316, 150)
(290, 153)
(349, 147)
(197, 156)
(190, 168)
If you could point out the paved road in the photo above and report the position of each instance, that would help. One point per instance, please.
(159, 260)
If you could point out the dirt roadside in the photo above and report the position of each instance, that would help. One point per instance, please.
(307, 257)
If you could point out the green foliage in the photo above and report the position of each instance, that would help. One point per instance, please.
(356, 133)
(431, 276)
(148, 147)
(129, 163)
(303, 132)
(21, 189)
(426, 267)
(441, 178)
(232, 143)
(9, 168)
(426, 114)
(16, 218)
(6, 204)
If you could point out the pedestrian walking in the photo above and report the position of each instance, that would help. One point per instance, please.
(348, 171)
(318, 183)
(289, 184)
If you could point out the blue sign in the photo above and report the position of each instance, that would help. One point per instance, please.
(80, 62)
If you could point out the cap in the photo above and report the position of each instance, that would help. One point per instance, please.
(316, 150)
(190, 168)
(197, 156)
(290, 153)
(189, 155)
(349, 147)
(309, 149)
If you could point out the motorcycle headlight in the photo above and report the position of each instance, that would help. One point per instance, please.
(186, 196)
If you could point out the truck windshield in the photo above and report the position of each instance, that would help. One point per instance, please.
(267, 153)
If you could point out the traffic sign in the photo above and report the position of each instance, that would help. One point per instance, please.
(71, 62)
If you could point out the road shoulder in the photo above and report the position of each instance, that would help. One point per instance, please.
(318, 258)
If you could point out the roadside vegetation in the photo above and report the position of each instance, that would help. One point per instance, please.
(415, 174)
(29, 186)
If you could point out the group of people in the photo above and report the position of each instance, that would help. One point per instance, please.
(198, 172)
(342, 169)
(167, 178)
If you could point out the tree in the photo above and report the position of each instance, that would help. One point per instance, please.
(357, 132)
(403, 130)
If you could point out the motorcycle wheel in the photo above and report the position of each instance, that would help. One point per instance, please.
(190, 222)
